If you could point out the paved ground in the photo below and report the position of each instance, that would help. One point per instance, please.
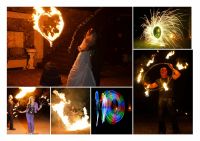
(58, 130)
(111, 76)
(42, 126)
(149, 125)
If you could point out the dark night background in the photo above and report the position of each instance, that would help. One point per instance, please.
(140, 12)
(146, 107)
(122, 127)
(112, 56)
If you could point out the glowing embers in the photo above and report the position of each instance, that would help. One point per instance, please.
(48, 23)
(163, 28)
(113, 106)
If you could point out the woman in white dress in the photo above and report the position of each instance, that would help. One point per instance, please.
(81, 71)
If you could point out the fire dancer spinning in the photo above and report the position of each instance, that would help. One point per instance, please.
(165, 85)
(31, 109)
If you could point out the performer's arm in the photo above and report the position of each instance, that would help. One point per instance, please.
(151, 86)
(175, 73)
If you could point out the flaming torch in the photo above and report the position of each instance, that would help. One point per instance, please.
(150, 61)
(181, 66)
(140, 75)
(147, 91)
(165, 86)
(48, 23)
(171, 53)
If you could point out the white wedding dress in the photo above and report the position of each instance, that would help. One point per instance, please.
(81, 71)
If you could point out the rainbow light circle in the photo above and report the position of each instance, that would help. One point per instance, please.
(114, 115)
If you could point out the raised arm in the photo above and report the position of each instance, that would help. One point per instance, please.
(175, 73)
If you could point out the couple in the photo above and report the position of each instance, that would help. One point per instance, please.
(81, 72)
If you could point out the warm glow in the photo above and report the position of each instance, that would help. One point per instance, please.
(150, 62)
(24, 91)
(147, 91)
(140, 75)
(165, 86)
(162, 27)
(48, 23)
(171, 53)
(79, 124)
(181, 66)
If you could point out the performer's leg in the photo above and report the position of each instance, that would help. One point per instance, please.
(161, 108)
(173, 117)
(28, 118)
(32, 124)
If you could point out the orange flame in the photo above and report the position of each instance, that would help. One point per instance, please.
(171, 53)
(181, 66)
(140, 75)
(79, 124)
(165, 86)
(147, 91)
(150, 61)
(24, 91)
(49, 24)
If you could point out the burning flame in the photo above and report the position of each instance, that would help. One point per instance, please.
(181, 66)
(147, 91)
(171, 53)
(150, 62)
(24, 91)
(165, 86)
(49, 24)
(82, 123)
(140, 75)
(79, 124)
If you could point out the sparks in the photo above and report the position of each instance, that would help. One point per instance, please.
(171, 53)
(165, 86)
(181, 66)
(49, 24)
(163, 28)
(140, 75)
(24, 91)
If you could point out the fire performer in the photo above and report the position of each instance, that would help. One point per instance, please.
(10, 112)
(81, 72)
(31, 109)
(165, 85)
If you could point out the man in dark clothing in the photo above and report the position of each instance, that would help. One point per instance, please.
(50, 75)
(10, 112)
(165, 86)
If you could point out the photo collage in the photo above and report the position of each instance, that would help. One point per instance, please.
(99, 70)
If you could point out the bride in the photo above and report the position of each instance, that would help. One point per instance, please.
(81, 71)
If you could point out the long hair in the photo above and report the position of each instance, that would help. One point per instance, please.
(29, 100)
